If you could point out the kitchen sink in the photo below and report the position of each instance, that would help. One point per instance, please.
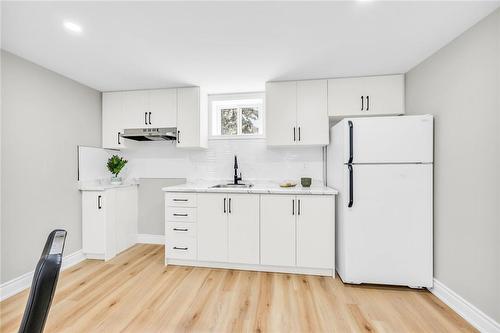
(232, 186)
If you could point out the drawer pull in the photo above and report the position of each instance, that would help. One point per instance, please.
(179, 199)
(180, 248)
(181, 229)
(175, 214)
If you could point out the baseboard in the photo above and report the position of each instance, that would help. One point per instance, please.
(469, 312)
(252, 267)
(150, 239)
(15, 286)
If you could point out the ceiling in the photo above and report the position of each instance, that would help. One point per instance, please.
(231, 46)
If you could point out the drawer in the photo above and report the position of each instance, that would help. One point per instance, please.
(180, 214)
(181, 248)
(180, 199)
(174, 230)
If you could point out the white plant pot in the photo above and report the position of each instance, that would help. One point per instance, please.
(116, 180)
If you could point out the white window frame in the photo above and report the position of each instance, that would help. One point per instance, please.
(216, 101)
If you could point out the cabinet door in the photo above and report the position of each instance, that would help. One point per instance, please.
(281, 113)
(385, 95)
(112, 120)
(93, 223)
(126, 217)
(163, 108)
(212, 227)
(135, 109)
(188, 117)
(315, 231)
(277, 235)
(344, 97)
(243, 228)
(365, 96)
(312, 113)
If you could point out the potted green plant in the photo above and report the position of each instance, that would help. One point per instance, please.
(115, 165)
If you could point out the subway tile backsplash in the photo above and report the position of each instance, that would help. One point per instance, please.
(256, 161)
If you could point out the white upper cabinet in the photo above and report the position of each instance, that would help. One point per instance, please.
(281, 113)
(113, 121)
(297, 113)
(366, 96)
(192, 118)
(312, 113)
(156, 109)
(162, 108)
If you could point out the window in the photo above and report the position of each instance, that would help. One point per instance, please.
(237, 116)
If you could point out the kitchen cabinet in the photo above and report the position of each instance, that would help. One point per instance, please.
(228, 228)
(109, 221)
(315, 241)
(113, 120)
(297, 230)
(156, 108)
(277, 238)
(297, 113)
(212, 227)
(192, 118)
(366, 96)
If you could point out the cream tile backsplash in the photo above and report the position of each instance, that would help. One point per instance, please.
(256, 161)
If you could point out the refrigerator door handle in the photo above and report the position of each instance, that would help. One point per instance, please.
(351, 134)
(351, 189)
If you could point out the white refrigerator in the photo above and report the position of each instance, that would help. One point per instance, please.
(383, 170)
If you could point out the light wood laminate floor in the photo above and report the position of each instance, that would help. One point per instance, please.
(136, 293)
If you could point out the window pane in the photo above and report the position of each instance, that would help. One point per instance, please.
(249, 120)
(229, 121)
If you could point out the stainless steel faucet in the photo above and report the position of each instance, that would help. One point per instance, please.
(236, 178)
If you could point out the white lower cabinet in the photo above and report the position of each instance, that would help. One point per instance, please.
(297, 230)
(277, 237)
(315, 231)
(228, 228)
(269, 232)
(109, 221)
(212, 227)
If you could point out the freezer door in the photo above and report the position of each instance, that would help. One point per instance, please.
(406, 139)
(388, 229)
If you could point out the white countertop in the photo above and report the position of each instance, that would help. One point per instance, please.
(102, 185)
(257, 188)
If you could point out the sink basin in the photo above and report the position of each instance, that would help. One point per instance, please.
(232, 186)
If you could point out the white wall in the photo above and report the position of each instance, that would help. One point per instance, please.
(256, 161)
(44, 117)
(460, 85)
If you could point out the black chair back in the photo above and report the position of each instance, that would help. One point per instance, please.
(44, 284)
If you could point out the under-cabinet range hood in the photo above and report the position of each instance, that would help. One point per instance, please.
(151, 134)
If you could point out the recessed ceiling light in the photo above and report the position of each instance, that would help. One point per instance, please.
(73, 27)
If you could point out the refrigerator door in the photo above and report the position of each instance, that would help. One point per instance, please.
(388, 229)
(406, 139)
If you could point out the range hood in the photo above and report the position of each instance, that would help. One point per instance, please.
(150, 134)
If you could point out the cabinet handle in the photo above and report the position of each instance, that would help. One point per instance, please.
(294, 134)
(299, 133)
(298, 207)
(145, 118)
(180, 200)
(229, 205)
(293, 206)
(362, 102)
(150, 118)
(99, 203)
(224, 205)
(178, 136)
(175, 214)
(118, 137)
(180, 229)
(180, 248)
(367, 103)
